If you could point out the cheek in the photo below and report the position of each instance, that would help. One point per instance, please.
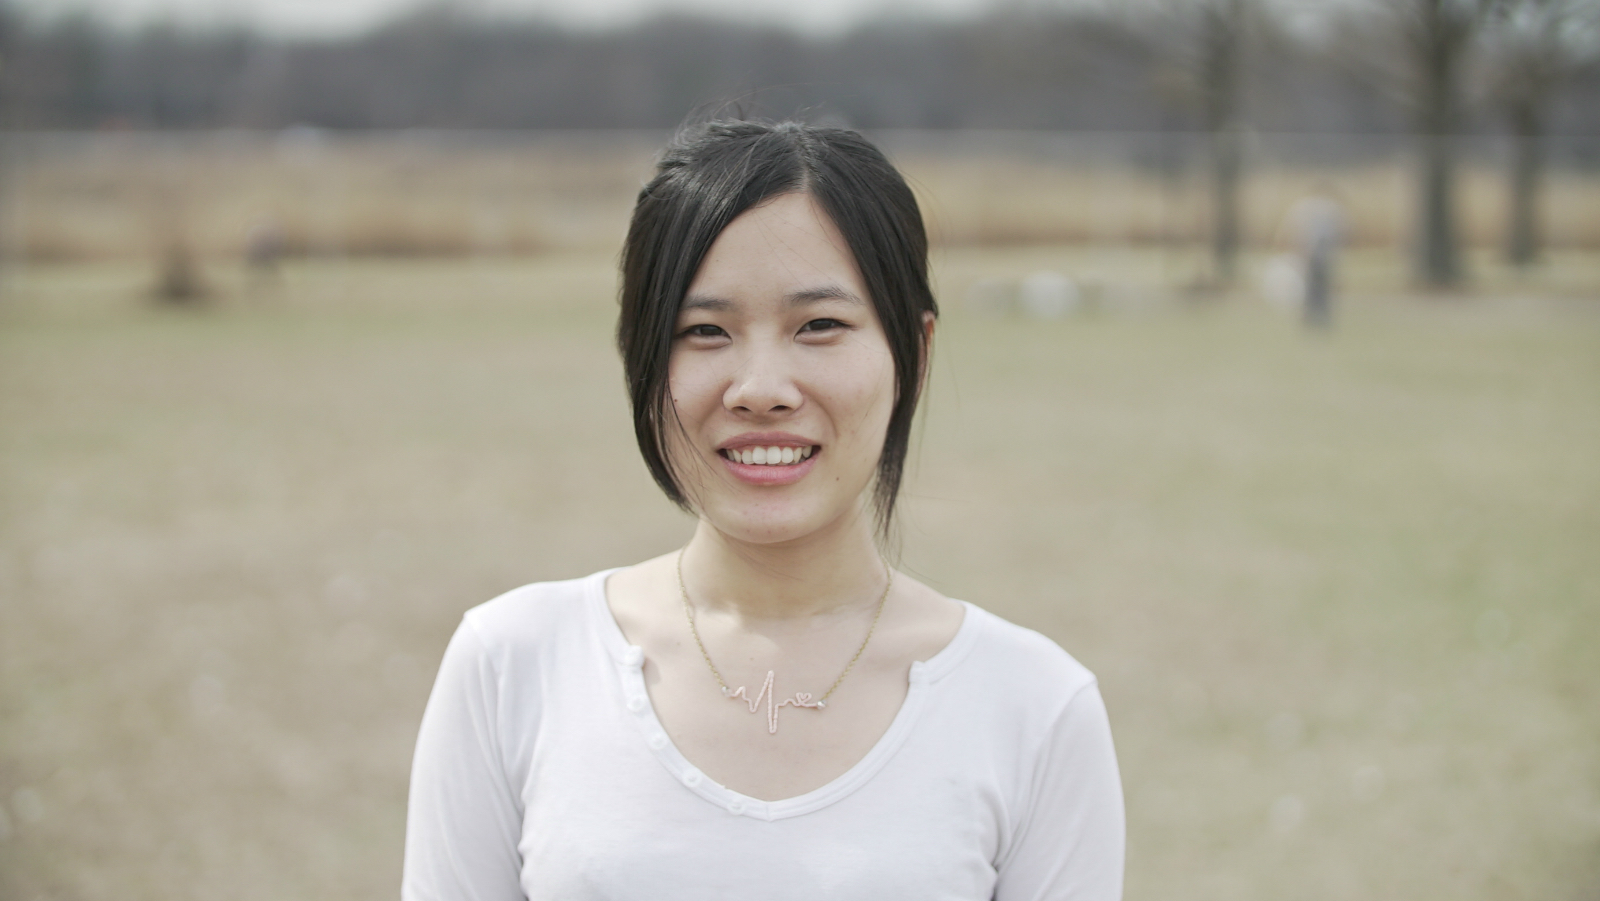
(862, 396)
(690, 387)
(686, 410)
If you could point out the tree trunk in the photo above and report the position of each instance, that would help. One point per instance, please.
(1439, 261)
(1527, 167)
(1224, 27)
(1440, 42)
(1225, 172)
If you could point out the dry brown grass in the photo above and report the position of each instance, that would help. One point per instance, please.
(123, 196)
(1340, 590)
(1000, 201)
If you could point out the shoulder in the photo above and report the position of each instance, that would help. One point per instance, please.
(534, 617)
(1018, 662)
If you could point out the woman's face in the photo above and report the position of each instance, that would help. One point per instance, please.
(781, 376)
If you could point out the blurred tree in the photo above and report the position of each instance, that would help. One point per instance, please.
(1531, 47)
(10, 37)
(1221, 63)
(10, 28)
(1204, 65)
(1108, 67)
(1437, 35)
(53, 77)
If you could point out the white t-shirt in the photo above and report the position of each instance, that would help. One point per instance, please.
(541, 772)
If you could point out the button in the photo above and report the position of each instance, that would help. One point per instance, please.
(691, 778)
(636, 703)
(634, 656)
(658, 741)
(736, 806)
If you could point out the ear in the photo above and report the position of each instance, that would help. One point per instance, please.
(928, 320)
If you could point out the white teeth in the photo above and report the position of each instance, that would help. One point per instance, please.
(770, 456)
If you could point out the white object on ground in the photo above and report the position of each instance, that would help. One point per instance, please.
(1048, 295)
(1280, 281)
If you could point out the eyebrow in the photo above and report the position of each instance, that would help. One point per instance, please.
(798, 298)
(826, 292)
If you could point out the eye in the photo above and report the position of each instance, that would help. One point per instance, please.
(823, 325)
(703, 330)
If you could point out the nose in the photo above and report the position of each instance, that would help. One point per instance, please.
(763, 385)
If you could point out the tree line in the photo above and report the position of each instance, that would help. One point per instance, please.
(1140, 67)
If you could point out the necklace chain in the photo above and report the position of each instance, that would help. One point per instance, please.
(688, 611)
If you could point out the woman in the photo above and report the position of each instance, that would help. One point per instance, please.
(771, 712)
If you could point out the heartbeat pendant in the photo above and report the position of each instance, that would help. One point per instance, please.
(800, 699)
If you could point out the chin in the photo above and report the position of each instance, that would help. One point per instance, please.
(775, 523)
(768, 530)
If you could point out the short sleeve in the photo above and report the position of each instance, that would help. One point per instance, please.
(463, 819)
(1069, 844)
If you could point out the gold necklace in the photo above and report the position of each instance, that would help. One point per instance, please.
(801, 698)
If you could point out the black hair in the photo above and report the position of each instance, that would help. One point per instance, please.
(708, 175)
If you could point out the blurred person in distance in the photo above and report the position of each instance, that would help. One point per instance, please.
(1317, 227)
(772, 711)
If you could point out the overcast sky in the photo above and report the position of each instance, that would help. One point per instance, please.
(336, 17)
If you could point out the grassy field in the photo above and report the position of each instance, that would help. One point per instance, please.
(1341, 589)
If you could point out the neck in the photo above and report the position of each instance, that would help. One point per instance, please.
(820, 575)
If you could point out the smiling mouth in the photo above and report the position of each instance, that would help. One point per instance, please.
(768, 456)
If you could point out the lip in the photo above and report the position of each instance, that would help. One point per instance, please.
(766, 439)
(760, 474)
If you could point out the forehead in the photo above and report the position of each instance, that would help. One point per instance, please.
(781, 248)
